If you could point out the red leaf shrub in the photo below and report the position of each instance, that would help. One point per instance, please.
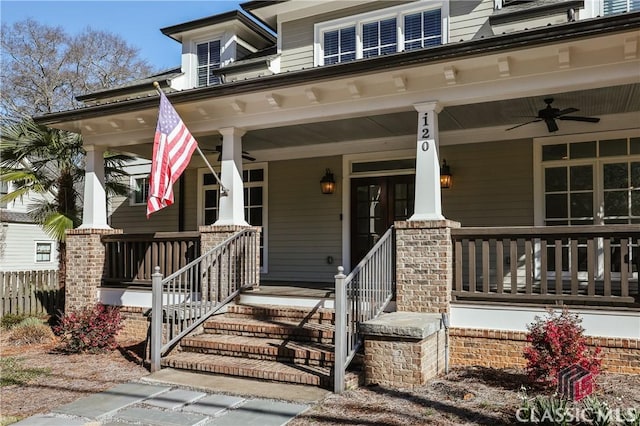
(92, 329)
(555, 342)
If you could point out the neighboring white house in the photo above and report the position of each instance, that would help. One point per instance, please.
(24, 246)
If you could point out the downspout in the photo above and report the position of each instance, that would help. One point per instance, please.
(445, 323)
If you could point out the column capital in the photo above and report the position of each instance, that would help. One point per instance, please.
(232, 131)
(93, 148)
(429, 106)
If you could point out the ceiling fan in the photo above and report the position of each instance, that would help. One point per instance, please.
(549, 115)
(245, 154)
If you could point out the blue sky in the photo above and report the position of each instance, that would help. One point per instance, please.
(138, 22)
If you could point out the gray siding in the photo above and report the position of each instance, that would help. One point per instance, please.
(133, 219)
(469, 19)
(492, 183)
(297, 36)
(304, 224)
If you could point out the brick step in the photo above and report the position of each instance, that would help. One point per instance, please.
(276, 312)
(281, 329)
(251, 368)
(301, 353)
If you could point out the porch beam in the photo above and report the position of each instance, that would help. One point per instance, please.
(94, 214)
(427, 188)
(232, 204)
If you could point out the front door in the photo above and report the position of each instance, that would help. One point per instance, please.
(375, 204)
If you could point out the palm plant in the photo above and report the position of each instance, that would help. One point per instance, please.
(47, 165)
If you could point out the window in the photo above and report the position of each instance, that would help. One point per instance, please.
(340, 45)
(208, 61)
(381, 32)
(379, 38)
(592, 182)
(255, 206)
(139, 190)
(4, 190)
(43, 251)
(620, 6)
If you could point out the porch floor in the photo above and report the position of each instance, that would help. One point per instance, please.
(296, 289)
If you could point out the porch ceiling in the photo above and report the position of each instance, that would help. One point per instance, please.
(494, 114)
(593, 102)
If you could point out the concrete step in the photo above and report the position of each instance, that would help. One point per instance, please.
(280, 329)
(282, 350)
(251, 368)
(278, 312)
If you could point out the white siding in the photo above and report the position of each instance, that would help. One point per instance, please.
(18, 247)
(492, 183)
(304, 224)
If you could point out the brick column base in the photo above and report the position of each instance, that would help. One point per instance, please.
(424, 265)
(85, 266)
(403, 349)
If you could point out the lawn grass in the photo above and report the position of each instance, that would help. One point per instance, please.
(12, 372)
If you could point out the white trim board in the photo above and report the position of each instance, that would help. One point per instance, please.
(600, 323)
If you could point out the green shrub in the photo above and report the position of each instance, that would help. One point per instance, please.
(31, 331)
(9, 320)
(92, 329)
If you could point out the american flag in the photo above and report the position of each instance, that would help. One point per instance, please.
(172, 148)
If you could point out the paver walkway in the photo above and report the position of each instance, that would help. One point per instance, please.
(158, 405)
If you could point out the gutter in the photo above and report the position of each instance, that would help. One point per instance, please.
(452, 51)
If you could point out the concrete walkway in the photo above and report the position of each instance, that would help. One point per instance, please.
(199, 400)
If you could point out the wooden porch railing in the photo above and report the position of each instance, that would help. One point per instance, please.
(131, 258)
(577, 264)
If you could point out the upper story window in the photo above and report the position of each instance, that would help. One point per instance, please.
(208, 61)
(381, 32)
(620, 6)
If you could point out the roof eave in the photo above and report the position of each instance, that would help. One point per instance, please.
(495, 44)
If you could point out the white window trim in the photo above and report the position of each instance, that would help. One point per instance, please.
(132, 187)
(51, 252)
(538, 166)
(377, 15)
(265, 204)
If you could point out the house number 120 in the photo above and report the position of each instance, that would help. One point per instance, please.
(425, 132)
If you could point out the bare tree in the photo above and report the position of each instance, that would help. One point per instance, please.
(44, 68)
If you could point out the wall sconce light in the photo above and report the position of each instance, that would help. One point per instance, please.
(328, 183)
(445, 176)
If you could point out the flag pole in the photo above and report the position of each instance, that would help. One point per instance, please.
(223, 189)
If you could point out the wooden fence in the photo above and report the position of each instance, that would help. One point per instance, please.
(30, 293)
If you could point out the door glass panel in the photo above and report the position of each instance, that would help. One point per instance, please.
(635, 202)
(613, 147)
(556, 206)
(581, 178)
(555, 179)
(582, 205)
(583, 150)
(615, 203)
(616, 176)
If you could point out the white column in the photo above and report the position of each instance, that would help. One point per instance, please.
(94, 213)
(232, 205)
(427, 200)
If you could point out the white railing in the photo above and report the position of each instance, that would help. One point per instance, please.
(362, 296)
(185, 299)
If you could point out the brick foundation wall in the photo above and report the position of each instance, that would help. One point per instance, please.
(136, 324)
(85, 266)
(403, 363)
(503, 349)
(424, 265)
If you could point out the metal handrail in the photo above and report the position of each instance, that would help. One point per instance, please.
(188, 297)
(361, 296)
